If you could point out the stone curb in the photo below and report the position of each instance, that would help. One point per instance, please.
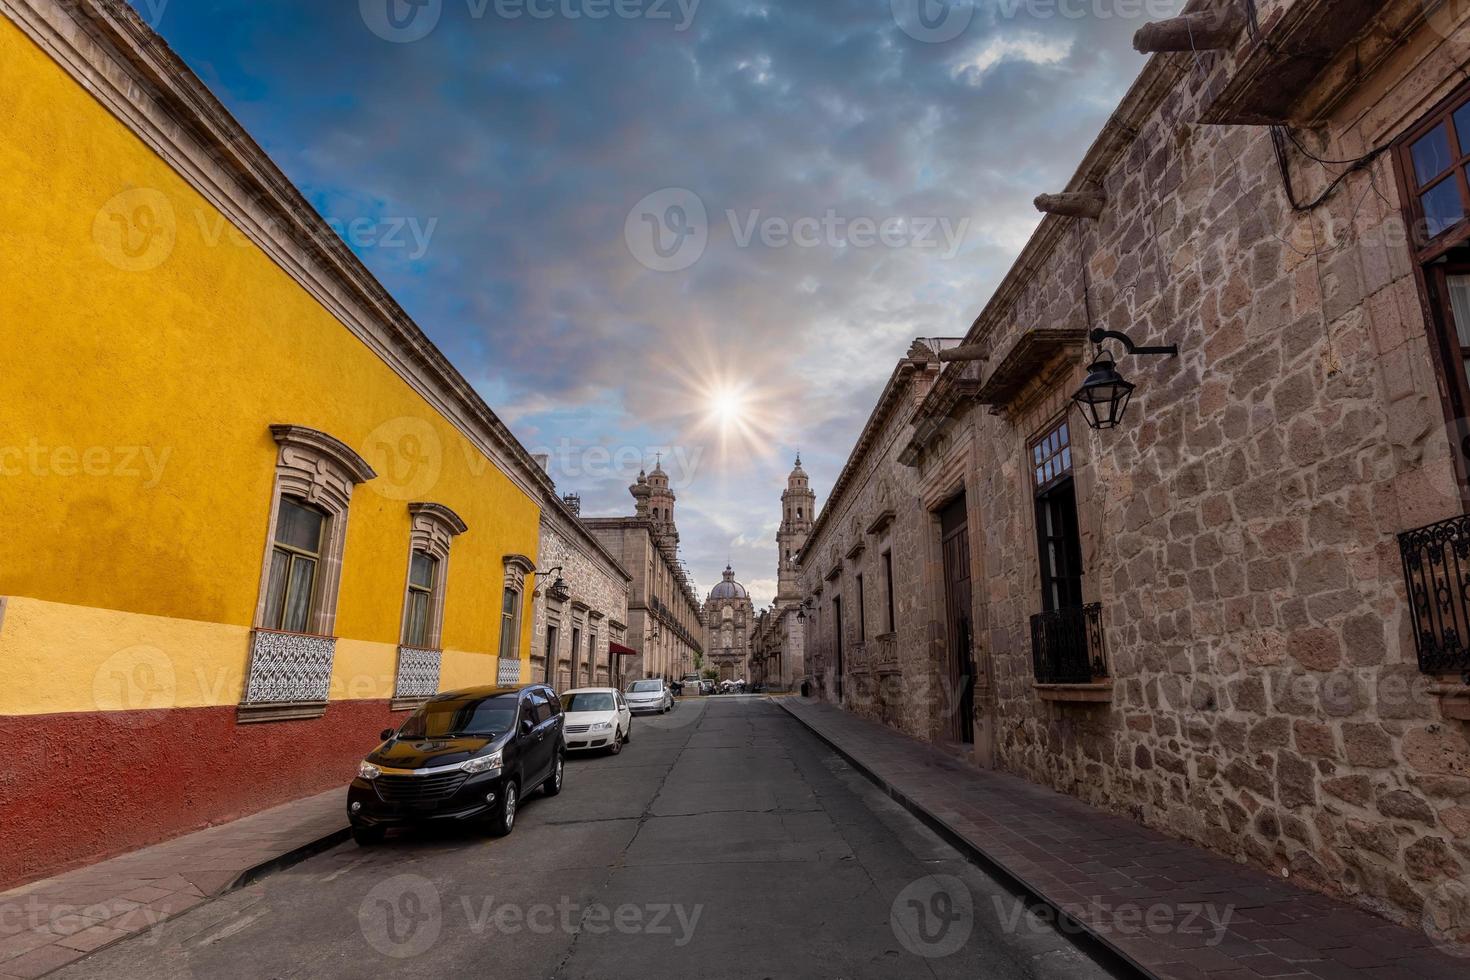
(1091, 943)
(283, 861)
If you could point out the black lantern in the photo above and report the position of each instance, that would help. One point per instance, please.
(1104, 396)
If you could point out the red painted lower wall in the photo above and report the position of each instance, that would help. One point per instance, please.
(76, 788)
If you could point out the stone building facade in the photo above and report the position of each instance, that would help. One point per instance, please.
(577, 628)
(664, 622)
(729, 617)
(1235, 616)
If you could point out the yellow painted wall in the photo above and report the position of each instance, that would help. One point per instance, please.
(140, 375)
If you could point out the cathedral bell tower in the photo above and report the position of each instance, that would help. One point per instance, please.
(797, 505)
(661, 505)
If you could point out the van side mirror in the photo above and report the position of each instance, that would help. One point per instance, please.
(527, 726)
(387, 734)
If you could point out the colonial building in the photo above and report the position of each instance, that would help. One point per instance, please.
(777, 644)
(581, 619)
(251, 514)
(728, 619)
(1232, 611)
(664, 625)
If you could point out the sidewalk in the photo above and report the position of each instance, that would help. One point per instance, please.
(49, 923)
(1134, 890)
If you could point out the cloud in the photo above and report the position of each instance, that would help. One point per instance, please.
(528, 141)
(1030, 48)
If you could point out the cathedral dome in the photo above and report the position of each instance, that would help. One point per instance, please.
(729, 588)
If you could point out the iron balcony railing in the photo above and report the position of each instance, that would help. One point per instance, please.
(1437, 575)
(1068, 647)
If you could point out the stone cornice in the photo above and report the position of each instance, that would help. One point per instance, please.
(109, 50)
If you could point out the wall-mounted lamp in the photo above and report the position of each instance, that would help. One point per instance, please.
(558, 589)
(1104, 396)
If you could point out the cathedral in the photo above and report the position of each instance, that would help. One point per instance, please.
(728, 618)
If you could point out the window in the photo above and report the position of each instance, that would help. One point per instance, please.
(1433, 159)
(1058, 541)
(798, 513)
(517, 567)
(862, 610)
(591, 655)
(295, 557)
(292, 648)
(510, 623)
(315, 475)
(423, 573)
(888, 585)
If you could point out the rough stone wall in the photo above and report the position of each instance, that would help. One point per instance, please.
(891, 676)
(599, 599)
(1239, 529)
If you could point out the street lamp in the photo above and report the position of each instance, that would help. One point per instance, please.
(1105, 394)
(558, 589)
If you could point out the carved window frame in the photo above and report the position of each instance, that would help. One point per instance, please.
(517, 567)
(322, 471)
(433, 529)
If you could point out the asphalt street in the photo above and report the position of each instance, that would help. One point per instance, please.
(725, 841)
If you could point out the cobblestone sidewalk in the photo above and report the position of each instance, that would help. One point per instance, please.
(49, 923)
(1169, 908)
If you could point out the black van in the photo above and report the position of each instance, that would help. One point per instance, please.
(465, 755)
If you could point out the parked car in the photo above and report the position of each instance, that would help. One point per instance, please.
(707, 686)
(650, 694)
(596, 718)
(690, 684)
(468, 755)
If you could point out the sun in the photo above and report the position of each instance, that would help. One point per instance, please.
(726, 405)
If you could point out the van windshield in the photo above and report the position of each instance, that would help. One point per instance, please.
(472, 716)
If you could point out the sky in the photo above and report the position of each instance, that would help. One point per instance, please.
(701, 228)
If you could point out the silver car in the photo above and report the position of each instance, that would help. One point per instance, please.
(650, 694)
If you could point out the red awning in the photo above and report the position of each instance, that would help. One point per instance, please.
(621, 651)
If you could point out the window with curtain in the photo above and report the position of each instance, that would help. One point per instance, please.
(296, 557)
(423, 576)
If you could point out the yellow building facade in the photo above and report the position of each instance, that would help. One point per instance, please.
(249, 511)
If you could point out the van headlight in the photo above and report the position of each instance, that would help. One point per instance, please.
(482, 763)
(366, 770)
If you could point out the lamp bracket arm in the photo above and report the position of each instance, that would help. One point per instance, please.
(1099, 335)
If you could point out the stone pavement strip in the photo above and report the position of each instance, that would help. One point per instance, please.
(49, 923)
(1169, 908)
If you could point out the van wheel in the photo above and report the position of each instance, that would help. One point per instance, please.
(552, 786)
(368, 836)
(503, 821)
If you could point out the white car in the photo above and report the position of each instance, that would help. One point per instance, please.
(596, 718)
(650, 694)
